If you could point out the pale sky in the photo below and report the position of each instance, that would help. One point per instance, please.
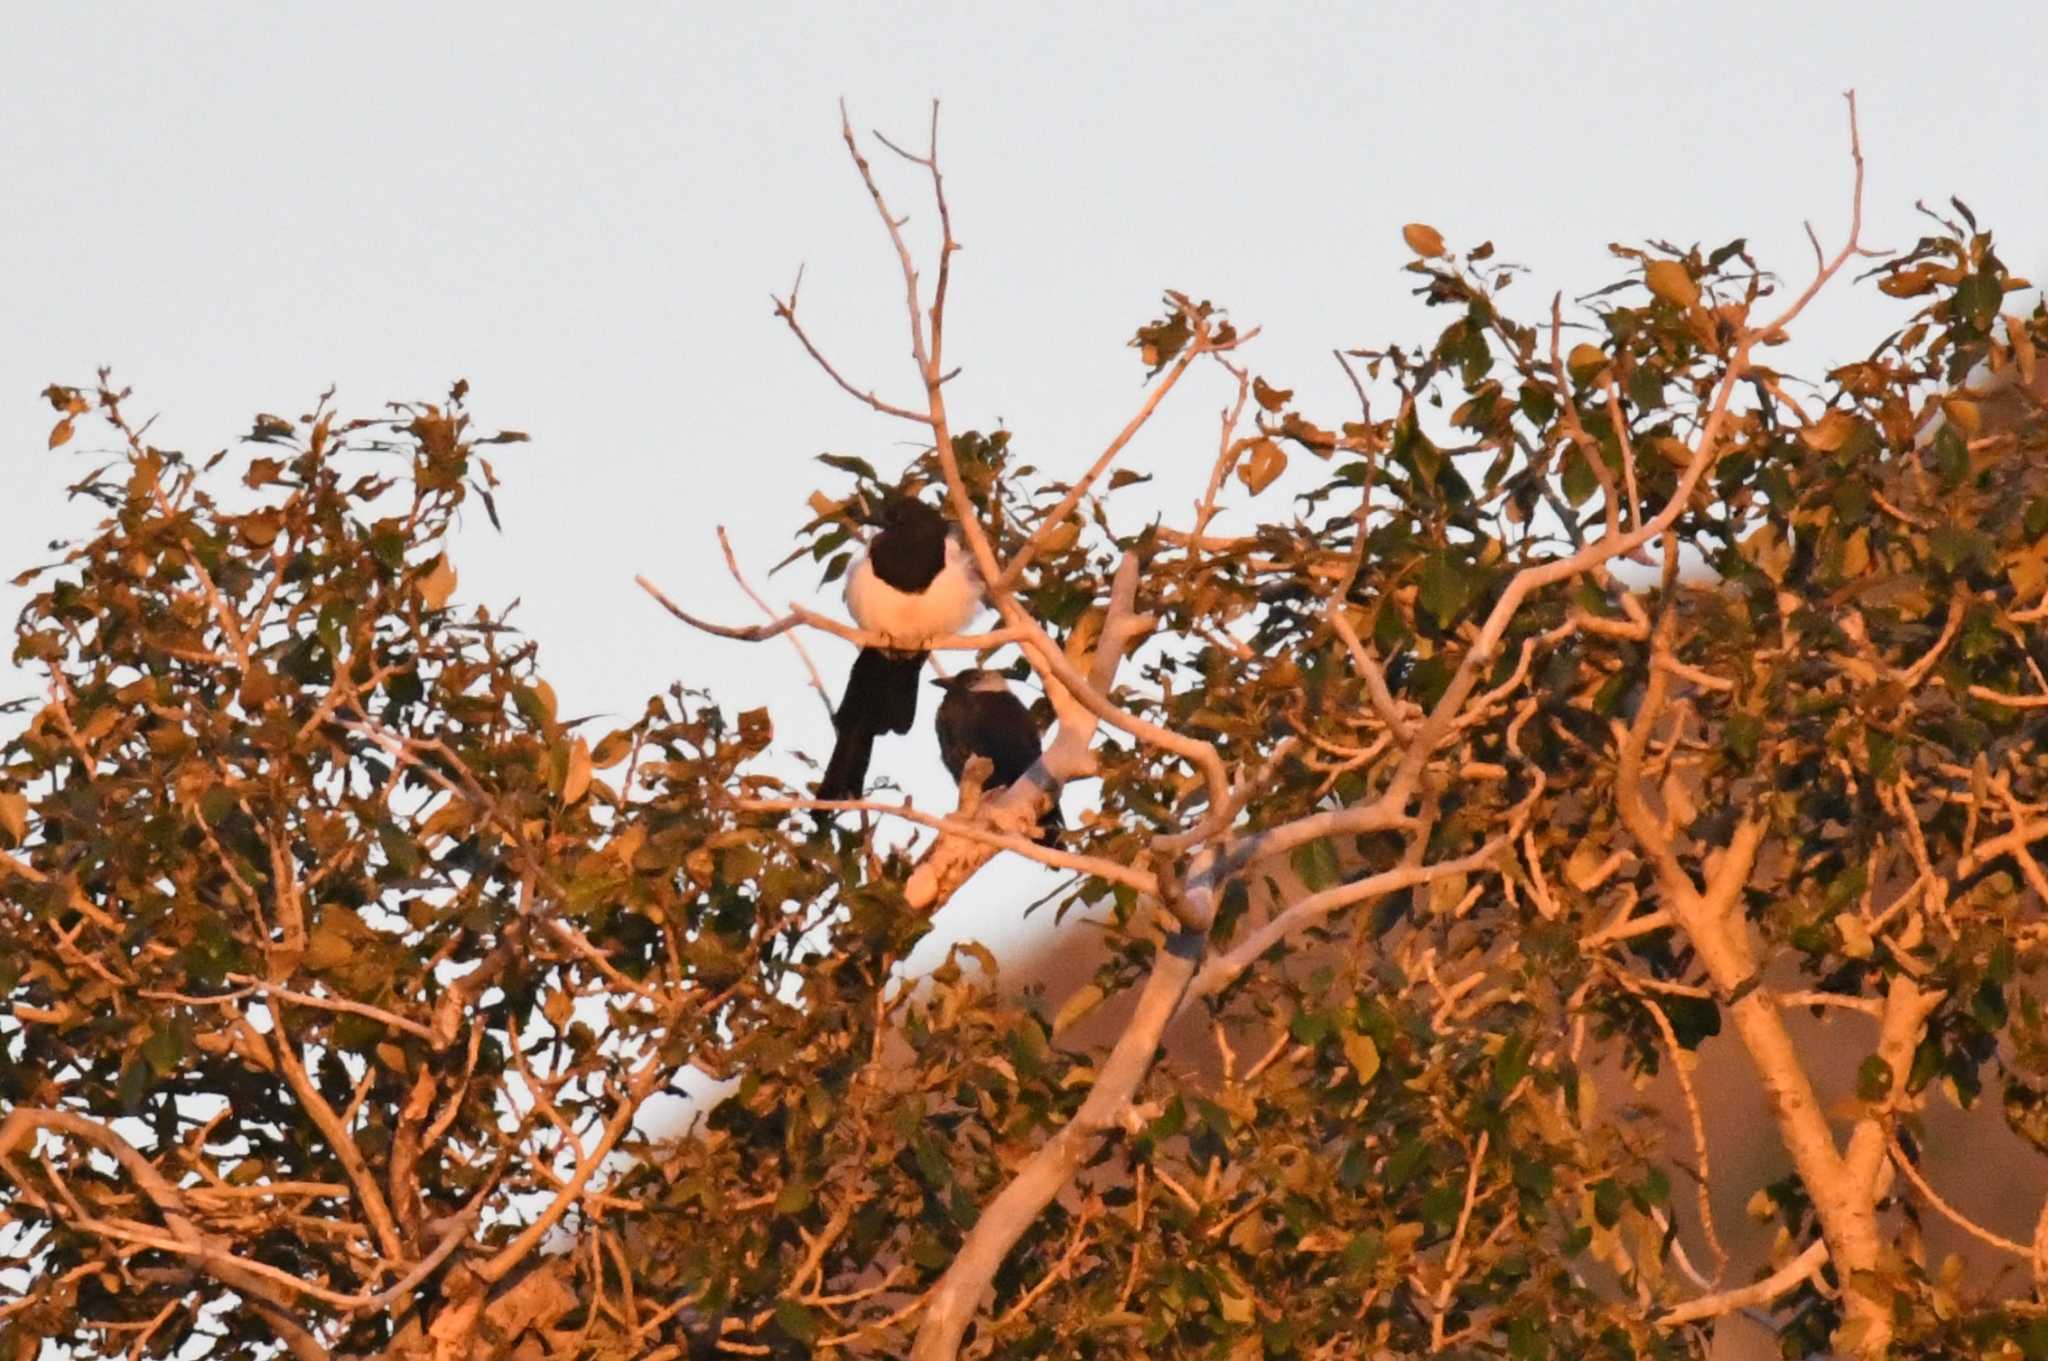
(583, 211)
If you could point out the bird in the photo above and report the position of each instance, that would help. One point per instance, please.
(980, 717)
(915, 582)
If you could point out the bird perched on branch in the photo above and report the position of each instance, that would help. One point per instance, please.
(915, 583)
(980, 717)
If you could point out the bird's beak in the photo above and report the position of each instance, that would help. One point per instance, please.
(942, 682)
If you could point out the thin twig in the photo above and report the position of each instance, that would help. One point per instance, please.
(795, 641)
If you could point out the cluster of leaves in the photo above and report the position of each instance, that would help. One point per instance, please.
(314, 907)
(1868, 634)
(316, 902)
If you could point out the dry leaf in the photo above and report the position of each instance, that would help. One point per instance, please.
(577, 782)
(438, 584)
(1586, 360)
(1263, 461)
(1671, 281)
(1829, 433)
(14, 817)
(1424, 240)
(2022, 349)
(1084, 1000)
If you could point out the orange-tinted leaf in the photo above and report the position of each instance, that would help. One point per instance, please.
(1270, 397)
(2022, 342)
(611, 749)
(1671, 281)
(1585, 360)
(1829, 433)
(1262, 462)
(438, 584)
(576, 783)
(1423, 239)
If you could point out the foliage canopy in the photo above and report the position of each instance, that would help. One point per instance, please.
(342, 970)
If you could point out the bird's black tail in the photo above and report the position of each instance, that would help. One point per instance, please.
(846, 774)
(882, 691)
(881, 696)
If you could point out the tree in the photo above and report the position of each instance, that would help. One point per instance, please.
(342, 969)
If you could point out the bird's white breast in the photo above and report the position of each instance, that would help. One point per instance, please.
(946, 606)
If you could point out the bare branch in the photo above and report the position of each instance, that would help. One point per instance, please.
(1681, 1068)
(786, 310)
(754, 633)
(1794, 1273)
(732, 565)
(254, 985)
(980, 832)
(260, 1282)
(1950, 1212)
(638, 1086)
(1223, 969)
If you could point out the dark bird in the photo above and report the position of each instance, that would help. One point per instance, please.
(915, 583)
(980, 717)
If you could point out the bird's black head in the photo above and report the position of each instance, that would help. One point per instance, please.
(910, 550)
(908, 514)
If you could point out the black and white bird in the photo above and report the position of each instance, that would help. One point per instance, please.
(980, 717)
(916, 582)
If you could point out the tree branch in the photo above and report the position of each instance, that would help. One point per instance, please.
(798, 614)
(952, 1302)
(257, 1281)
(1800, 1269)
(980, 831)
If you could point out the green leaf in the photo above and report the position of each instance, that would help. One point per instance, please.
(1607, 1202)
(533, 706)
(404, 853)
(1447, 587)
(1951, 456)
(848, 463)
(1576, 477)
(794, 1197)
(1873, 1079)
(1401, 1166)
(1316, 863)
(1512, 1061)
(164, 1049)
(1693, 1019)
(1741, 734)
(796, 1320)
(1955, 547)
(1363, 1251)
(1527, 1339)
(1723, 254)
(1310, 1027)
(1978, 297)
